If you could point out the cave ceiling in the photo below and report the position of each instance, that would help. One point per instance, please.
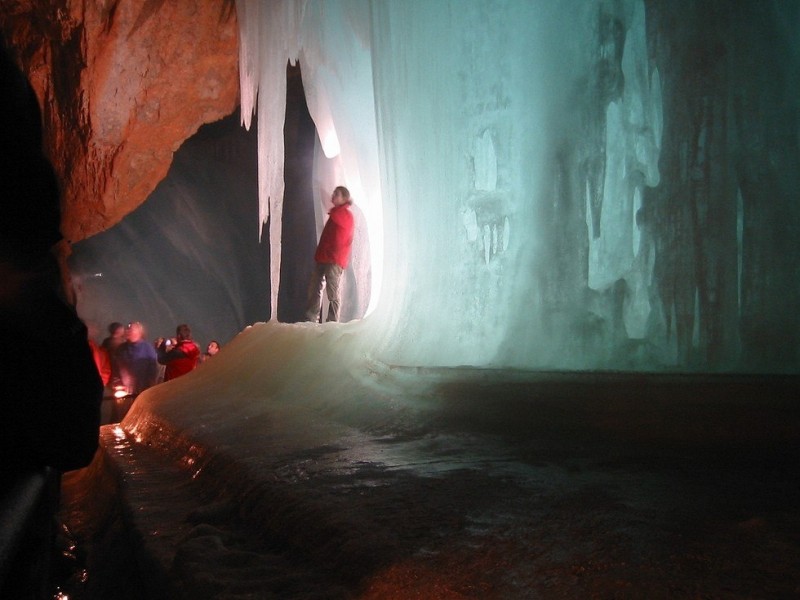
(121, 85)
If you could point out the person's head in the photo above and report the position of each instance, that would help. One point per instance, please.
(116, 329)
(212, 348)
(134, 332)
(182, 332)
(340, 196)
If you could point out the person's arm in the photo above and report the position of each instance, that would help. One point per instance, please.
(166, 354)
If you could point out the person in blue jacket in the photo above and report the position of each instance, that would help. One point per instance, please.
(137, 360)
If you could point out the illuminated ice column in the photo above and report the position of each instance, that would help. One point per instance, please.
(336, 63)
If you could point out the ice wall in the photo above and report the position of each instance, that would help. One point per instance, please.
(550, 184)
(464, 158)
(458, 137)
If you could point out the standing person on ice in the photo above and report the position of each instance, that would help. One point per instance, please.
(331, 257)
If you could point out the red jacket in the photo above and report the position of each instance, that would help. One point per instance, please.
(337, 237)
(180, 360)
(102, 361)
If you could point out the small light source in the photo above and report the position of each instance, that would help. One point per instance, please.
(330, 142)
(120, 391)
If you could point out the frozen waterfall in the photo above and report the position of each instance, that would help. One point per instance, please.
(561, 184)
(509, 160)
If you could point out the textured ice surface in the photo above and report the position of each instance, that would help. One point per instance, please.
(293, 464)
(564, 184)
(509, 157)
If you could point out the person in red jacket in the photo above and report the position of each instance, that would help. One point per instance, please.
(331, 257)
(179, 355)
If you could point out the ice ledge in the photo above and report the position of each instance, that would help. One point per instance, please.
(495, 483)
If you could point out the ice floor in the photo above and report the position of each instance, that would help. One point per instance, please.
(453, 483)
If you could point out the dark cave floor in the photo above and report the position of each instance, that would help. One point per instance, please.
(558, 487)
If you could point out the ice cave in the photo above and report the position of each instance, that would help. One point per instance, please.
(599, 191)
(568, 360)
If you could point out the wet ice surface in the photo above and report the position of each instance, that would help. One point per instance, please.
(460, 483)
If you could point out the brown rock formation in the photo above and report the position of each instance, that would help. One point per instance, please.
(121, 83)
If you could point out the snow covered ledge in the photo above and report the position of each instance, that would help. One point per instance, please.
(274, 389)
(280, 404)
(294, 463)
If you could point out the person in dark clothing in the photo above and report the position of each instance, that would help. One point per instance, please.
(116, 337)
(50, 390)
(136, 360)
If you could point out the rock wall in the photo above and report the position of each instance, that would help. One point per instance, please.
(121, 84)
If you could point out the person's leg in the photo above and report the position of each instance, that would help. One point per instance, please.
(333, 278)
(315, 293)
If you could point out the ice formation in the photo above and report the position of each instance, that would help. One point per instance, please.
(506, 155)
(566, 184)
(554, 184)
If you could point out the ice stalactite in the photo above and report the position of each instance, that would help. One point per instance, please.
(632, 126)
(729, 81)
(270, 37)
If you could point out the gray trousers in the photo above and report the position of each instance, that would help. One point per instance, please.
(329, 276)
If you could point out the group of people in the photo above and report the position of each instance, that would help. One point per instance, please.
(127, 359)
